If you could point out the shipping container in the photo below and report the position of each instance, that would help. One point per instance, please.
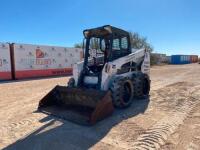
(180, 59)
(5, 62)
(193, 58)
(38, 61)
(169, 59)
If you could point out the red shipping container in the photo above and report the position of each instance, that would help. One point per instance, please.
(42, 61)
(193, 58)
(5, 62)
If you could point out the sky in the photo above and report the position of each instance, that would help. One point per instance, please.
(171, 26)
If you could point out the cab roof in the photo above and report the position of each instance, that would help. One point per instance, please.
(105, 31)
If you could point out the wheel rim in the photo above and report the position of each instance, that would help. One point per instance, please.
(127, 92)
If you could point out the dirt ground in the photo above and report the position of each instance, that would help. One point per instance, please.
(169, 120)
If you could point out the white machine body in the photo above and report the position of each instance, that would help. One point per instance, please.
(110, 69)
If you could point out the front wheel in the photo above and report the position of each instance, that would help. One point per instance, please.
(71, 83)
(122, 92)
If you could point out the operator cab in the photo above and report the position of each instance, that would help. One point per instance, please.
(102, 45)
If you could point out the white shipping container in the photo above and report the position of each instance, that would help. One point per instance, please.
(37, 60)
(5, 62)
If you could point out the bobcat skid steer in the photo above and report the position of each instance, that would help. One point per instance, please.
(111, 75)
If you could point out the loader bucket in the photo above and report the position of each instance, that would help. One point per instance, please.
(83, 106)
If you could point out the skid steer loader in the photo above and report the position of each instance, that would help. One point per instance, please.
(112, 75)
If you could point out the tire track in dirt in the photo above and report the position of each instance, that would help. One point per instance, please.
(12, 131)
(187, 136)
(122, 135)
(126, 132)
(156, 136)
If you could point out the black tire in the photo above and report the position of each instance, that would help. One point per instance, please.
(122, 91)
(57, 97)
(146, 85)
(142, 85)
(71, 83)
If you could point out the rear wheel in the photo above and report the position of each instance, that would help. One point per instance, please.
(122, 92)
(146, 85)
(142, 85)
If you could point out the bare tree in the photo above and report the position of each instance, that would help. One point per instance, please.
(138, 41)
(78, 45)
(94, 44)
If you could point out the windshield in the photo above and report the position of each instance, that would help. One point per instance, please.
(98, 53)
(97, 50)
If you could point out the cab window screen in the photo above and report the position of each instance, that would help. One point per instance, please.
(124, 43)
(116, 44)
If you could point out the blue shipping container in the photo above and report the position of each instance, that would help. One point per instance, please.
(180, 59)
